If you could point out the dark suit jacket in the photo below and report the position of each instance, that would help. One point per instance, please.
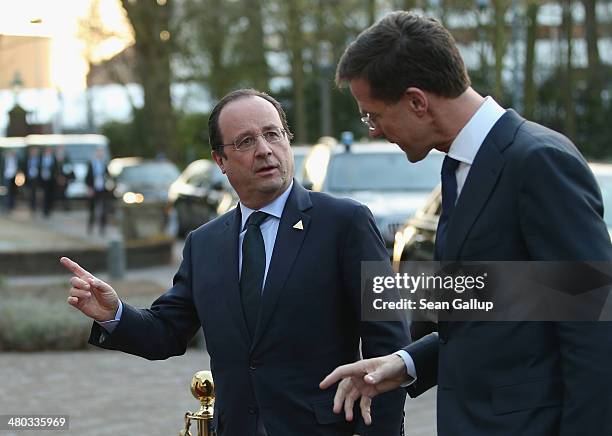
(529, 195)
(309, 321)
(26, 167)
(89, 178)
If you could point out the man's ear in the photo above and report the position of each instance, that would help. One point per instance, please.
(219, 160)
(417, 100)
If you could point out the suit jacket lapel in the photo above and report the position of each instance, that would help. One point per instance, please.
(286, 247)
(481, 180)
(229, 257)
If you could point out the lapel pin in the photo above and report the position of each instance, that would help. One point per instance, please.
(298, 225)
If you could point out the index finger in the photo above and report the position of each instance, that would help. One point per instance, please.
(350, 370)
(75, 268)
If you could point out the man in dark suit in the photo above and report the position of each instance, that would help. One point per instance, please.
(274, 283)
(512, 190)
(10, 168)
(48, 173)
(65, 174)
(32, 176)
(98, 180)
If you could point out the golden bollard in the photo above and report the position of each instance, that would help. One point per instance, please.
(203, 389)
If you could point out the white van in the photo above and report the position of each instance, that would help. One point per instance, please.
(80, 150)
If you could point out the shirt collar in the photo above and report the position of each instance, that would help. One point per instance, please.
(470, 138)
(275, 208)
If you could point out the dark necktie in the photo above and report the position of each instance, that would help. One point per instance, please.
(449, 198)
(253, 269)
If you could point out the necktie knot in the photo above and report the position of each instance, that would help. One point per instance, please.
(449, 166)
(256, 219)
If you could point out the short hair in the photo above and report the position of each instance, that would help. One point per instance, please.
(214, 132)
(405, 50)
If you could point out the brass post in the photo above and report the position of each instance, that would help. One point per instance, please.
(203, 389)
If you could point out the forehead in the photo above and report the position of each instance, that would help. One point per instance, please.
(247, 115)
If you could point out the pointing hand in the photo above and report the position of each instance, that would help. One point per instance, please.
(90, 295)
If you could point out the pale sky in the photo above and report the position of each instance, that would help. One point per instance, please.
(59, 20)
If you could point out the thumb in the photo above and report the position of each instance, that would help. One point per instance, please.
(373, 377)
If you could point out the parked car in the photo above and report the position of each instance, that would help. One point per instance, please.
(415, 241)
(299, 157)
(116, 165)
(378, 175)
(198, 195)
(145, 181)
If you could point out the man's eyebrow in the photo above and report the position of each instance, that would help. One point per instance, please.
(270, 126)
(251, 132)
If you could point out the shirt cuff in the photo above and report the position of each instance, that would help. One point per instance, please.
(410, 368)
(110, 325)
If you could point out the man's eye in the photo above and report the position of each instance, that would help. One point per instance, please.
(246, 142)
(272, 135)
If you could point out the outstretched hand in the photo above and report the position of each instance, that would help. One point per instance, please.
(366, 379)
(90, 295)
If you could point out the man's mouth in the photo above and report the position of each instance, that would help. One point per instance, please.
(266, 169)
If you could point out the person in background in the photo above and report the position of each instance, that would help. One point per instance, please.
(48, 174)
(10, 168)
(64, 175)
(32, 176)
(98, 180)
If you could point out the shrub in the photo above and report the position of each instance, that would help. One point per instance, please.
(42, 322)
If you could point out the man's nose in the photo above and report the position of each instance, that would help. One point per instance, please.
(262, 147)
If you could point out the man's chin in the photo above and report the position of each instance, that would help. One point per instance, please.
(273, 185)
(413, 155)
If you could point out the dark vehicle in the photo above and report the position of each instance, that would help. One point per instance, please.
(199, 194)
(378, 175)
(116, 165)
(145, 181)
(415, 241)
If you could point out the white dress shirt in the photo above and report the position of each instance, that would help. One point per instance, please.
(464, 149)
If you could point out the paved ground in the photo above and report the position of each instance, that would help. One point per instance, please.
(21, 230)
(113, 394)
(109, 393)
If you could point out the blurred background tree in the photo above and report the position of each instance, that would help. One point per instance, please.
(543, 58)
